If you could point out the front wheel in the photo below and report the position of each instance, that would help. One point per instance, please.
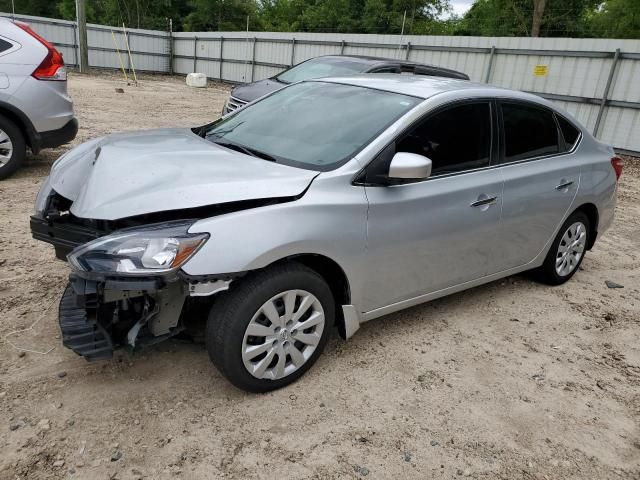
(567, 251)
(271, 328)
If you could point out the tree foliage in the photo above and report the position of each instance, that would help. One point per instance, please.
(560, 18)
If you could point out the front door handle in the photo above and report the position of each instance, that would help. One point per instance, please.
(564, 184)
(481, 202)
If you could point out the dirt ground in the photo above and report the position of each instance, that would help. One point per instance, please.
(509, 380)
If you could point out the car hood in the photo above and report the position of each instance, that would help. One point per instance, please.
(250, 92)
(130, 174)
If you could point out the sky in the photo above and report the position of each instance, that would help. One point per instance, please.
(461, 6)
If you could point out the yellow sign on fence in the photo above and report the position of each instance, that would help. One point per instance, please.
(541, 70)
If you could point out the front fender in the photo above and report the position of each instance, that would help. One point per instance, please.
(329, 220)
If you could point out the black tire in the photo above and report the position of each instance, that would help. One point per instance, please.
(233, 311)
(18, 144)
(547, 272)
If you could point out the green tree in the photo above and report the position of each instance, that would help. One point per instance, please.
(45, 8)
(561, 18)
(616, 19)
(220, 15)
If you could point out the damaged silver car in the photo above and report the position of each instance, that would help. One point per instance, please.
(327, 203)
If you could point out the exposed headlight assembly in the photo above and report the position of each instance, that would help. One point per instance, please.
(155, 249)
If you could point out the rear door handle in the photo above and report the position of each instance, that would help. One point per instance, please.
(564, 185)
(485, 201)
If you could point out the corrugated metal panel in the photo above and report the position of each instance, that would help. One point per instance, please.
(577, 68)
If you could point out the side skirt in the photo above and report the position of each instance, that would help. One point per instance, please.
(394, 307)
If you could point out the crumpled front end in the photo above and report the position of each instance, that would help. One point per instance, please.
(120, 294)
(99, 316)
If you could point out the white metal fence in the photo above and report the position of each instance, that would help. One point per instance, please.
(598, 80)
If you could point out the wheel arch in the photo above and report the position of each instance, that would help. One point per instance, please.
(591, 211)
(23, 123)
(333, 274)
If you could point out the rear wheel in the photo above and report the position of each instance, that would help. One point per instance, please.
(12, 147)
(271, 328)
(567, 251)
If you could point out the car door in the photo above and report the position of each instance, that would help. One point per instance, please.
(541, 178)
(432, 234)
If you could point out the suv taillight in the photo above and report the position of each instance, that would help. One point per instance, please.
(52, 67)
(617, 164)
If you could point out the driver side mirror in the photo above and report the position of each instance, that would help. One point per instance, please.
(409, 166)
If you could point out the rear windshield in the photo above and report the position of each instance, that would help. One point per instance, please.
(322, 67)
(312, 125)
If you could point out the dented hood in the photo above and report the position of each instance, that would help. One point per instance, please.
(129, 174)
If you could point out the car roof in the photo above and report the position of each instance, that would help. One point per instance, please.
(426, 86)
(373, 62)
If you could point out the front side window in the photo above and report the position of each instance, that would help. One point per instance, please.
(321, 67)
(456, 139)
(312, 125)
(529, 132)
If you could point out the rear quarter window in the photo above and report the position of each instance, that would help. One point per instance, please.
(4, 45)
(529, 132)
(570, 133)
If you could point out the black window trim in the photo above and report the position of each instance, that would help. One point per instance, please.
(502, 162)
(360, 177)
(381, 68)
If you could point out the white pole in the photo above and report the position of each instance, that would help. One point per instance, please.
(126, 40)
(404, 18)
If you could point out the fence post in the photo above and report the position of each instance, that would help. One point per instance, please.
(125, 39)
(342, 47)
(195, 53)
(253, 58)
(487, 76)
(75, 45)
(605, 94)
(221, 58)
(406, 57)
(293, 50)
(171, 46)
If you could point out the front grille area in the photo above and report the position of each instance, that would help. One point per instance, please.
(234, 103)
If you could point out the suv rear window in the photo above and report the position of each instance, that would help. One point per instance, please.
(529, 132)
(569, 132)
(4, 45)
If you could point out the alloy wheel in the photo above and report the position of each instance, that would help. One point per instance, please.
(6, 148)
(571, 249)
(283, 334)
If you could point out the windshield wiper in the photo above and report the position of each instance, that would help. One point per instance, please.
(247, 150)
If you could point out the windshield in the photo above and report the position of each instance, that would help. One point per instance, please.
(321, 67)
(312, 125)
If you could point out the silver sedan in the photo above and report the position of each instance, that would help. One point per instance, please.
(328, 203)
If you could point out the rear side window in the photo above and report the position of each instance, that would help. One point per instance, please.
(4, 45)
(569, 132)
(528, 132)
(456, 139)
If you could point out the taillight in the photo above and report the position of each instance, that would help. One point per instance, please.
(52, 67)
(617, 164)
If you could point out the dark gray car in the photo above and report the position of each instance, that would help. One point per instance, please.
(331, 66)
